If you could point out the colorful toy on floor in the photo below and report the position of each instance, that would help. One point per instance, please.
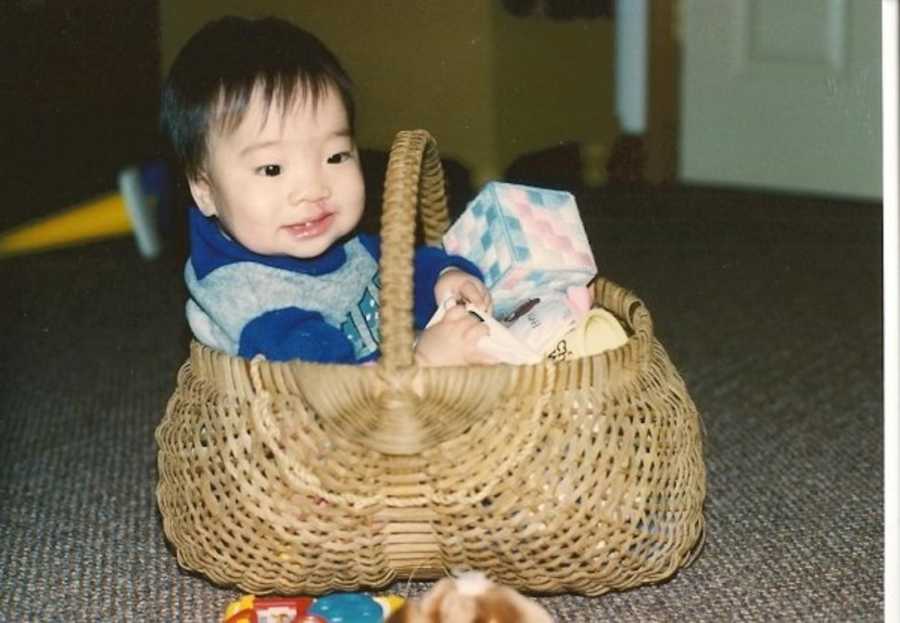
(334, 608)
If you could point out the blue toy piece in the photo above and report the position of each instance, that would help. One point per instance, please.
(348, 608)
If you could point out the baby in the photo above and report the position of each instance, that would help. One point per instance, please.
(260, 115)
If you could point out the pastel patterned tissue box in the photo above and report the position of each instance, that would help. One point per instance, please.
(525, 240)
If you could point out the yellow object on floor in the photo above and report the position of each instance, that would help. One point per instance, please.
(103, 217)
(129, 210)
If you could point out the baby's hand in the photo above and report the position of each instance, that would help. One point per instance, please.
(457, 284)
(453, 341)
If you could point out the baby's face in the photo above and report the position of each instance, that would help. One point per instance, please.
(286, 183)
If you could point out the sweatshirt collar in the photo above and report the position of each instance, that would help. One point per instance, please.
(211, 249)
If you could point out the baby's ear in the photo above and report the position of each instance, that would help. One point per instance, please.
(201, 191)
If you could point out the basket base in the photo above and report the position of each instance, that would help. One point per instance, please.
(597, 486)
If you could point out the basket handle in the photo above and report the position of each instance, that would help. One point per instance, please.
(414, 178)
(413, 409)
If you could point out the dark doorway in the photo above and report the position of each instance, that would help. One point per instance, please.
(80, 89)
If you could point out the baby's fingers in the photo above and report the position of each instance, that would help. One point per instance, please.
(457, 312)
(475, 331)
(475, 292)
(473, 336)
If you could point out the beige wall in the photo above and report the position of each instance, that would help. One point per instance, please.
(489, 86)
(553, 83)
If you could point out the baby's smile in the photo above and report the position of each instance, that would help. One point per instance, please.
(313, 227)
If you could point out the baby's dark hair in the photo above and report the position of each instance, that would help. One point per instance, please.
(217, 71)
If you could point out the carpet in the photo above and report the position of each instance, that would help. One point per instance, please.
(769, 305)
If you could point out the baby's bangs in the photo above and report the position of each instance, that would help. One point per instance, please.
(283, 90)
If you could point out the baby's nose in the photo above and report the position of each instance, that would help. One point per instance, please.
(310, 187)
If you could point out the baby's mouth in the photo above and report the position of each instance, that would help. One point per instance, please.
(312, 227)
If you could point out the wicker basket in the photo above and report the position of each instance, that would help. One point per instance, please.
(582, 476)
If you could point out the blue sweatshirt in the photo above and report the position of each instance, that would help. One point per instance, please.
(323, 309)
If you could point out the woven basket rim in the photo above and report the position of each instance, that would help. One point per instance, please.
(231, 374)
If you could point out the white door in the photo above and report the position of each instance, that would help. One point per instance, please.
(782, 94)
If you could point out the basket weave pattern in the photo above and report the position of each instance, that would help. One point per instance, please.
(295, 477)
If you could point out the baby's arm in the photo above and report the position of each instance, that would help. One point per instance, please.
(453, 341)
(293, 333)
(439, 276)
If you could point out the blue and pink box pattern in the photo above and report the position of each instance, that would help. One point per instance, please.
(527, 241)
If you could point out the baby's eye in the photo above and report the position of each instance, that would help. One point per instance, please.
(270, 170)
(339, 157)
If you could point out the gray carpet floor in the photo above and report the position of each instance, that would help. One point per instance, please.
(770, 306)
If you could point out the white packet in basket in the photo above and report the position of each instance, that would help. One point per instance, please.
(539, 321)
